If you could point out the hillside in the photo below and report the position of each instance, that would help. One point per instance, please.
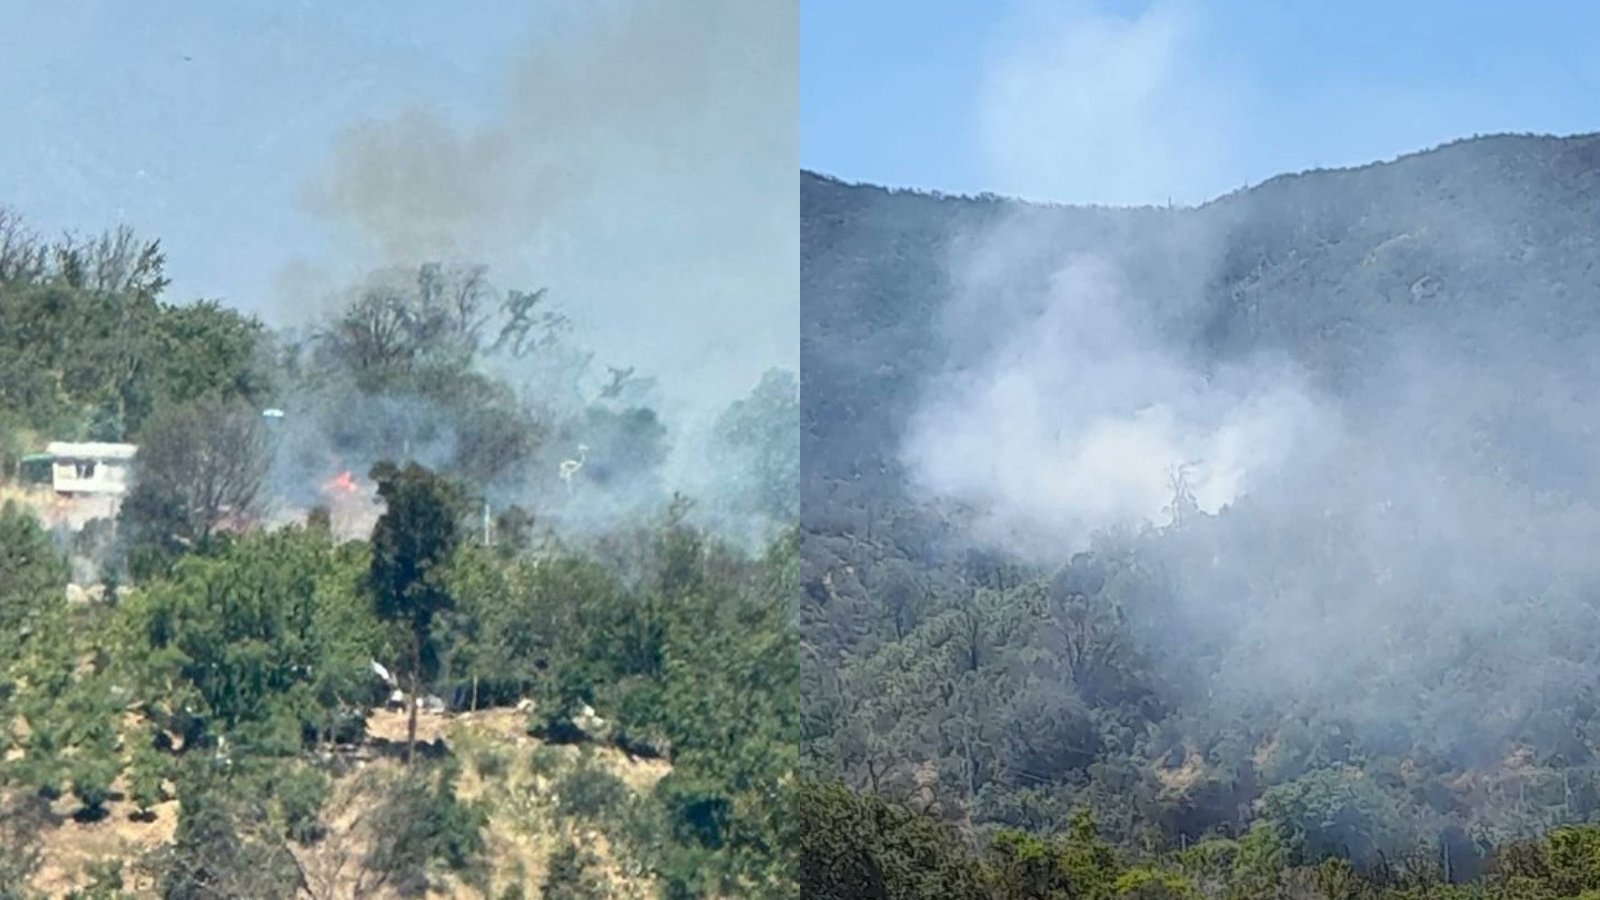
(219, 730)
(1322, 265)
(1272, 512)
(427, 501)
(519, 779)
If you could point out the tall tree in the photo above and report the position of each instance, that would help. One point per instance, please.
(413, 541)
(199, 465)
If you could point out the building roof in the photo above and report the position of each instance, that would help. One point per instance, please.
(70, 450)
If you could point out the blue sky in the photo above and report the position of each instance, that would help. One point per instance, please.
(1128, 102)
(109, 122)
(281, 149)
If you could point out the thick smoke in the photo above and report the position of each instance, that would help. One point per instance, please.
(1402, 541)
(1079, 420)
(415, 368)
(640, 168)
(1065, 412)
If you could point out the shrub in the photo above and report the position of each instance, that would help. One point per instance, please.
(589, 791)
(425, 822)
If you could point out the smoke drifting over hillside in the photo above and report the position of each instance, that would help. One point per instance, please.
(591, 181)
(1381, 404)
(620, 122)
(1078, 420)
(1066, 413)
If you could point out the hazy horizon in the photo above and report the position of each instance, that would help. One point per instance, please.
(188, 117)
(1133, 102)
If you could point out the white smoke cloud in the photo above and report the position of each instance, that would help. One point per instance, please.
(1083, 106)
(1065, 412)
(1411, 535)
(1079, 422)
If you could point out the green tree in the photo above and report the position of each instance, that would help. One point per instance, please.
(148, 768)
(200, 466)
(412, 543)
(855, 847)
(69, 710)
(33, 577)
(571, 876)
(91, 711)
(426, 822)
(1335, 812)
(92, 350)
(263, 643)
(226, 844)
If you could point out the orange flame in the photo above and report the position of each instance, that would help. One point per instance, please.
(343, 483)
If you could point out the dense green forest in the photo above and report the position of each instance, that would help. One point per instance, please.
(234, 669)
(1370, 672)
(861, 845)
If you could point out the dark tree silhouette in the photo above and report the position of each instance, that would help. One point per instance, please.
(415, 536)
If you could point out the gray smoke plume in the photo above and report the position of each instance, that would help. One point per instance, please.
(640, 169)
(1394, 530)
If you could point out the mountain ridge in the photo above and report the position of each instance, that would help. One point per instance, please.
(1476, 141)
(1470, 222)
(1436, 317)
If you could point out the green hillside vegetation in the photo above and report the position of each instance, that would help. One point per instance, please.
(965, 708)
(622, 703)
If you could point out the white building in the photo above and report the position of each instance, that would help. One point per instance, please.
(93, 469)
